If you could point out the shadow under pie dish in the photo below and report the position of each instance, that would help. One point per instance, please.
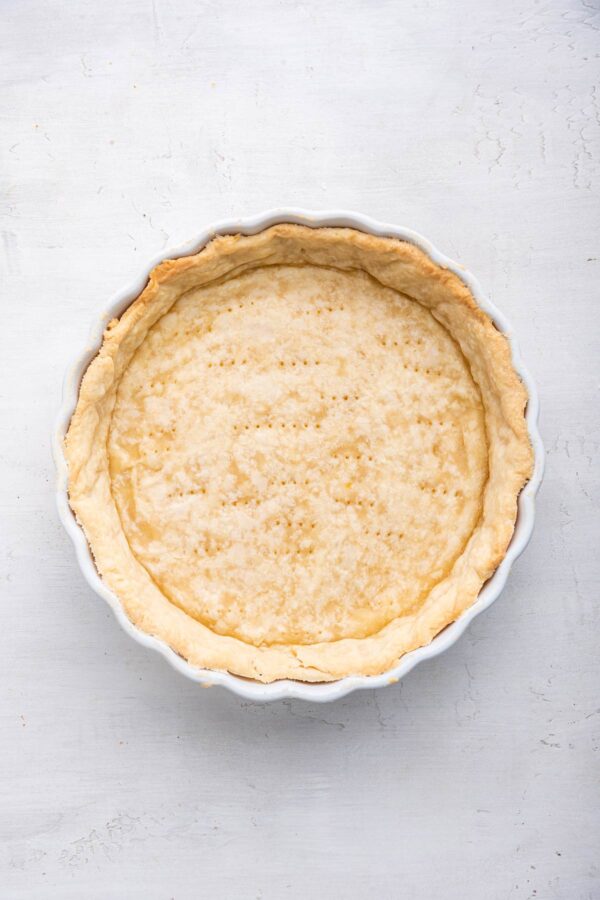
(298, 453)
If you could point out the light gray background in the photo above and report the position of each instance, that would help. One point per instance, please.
(127, 127)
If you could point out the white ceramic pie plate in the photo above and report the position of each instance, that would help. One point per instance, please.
(242, 686)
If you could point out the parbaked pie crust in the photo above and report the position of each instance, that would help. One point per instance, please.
(298, 454)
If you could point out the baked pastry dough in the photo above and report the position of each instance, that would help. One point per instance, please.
(298, 454)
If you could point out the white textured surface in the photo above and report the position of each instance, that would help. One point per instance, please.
(128, 128)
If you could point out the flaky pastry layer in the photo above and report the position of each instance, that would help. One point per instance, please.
(298, 454)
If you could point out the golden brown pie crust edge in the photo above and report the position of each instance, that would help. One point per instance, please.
(393, 262)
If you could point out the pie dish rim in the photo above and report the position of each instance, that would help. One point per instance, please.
(287, 688)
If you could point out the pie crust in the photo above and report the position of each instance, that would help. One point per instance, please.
(298, 454)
